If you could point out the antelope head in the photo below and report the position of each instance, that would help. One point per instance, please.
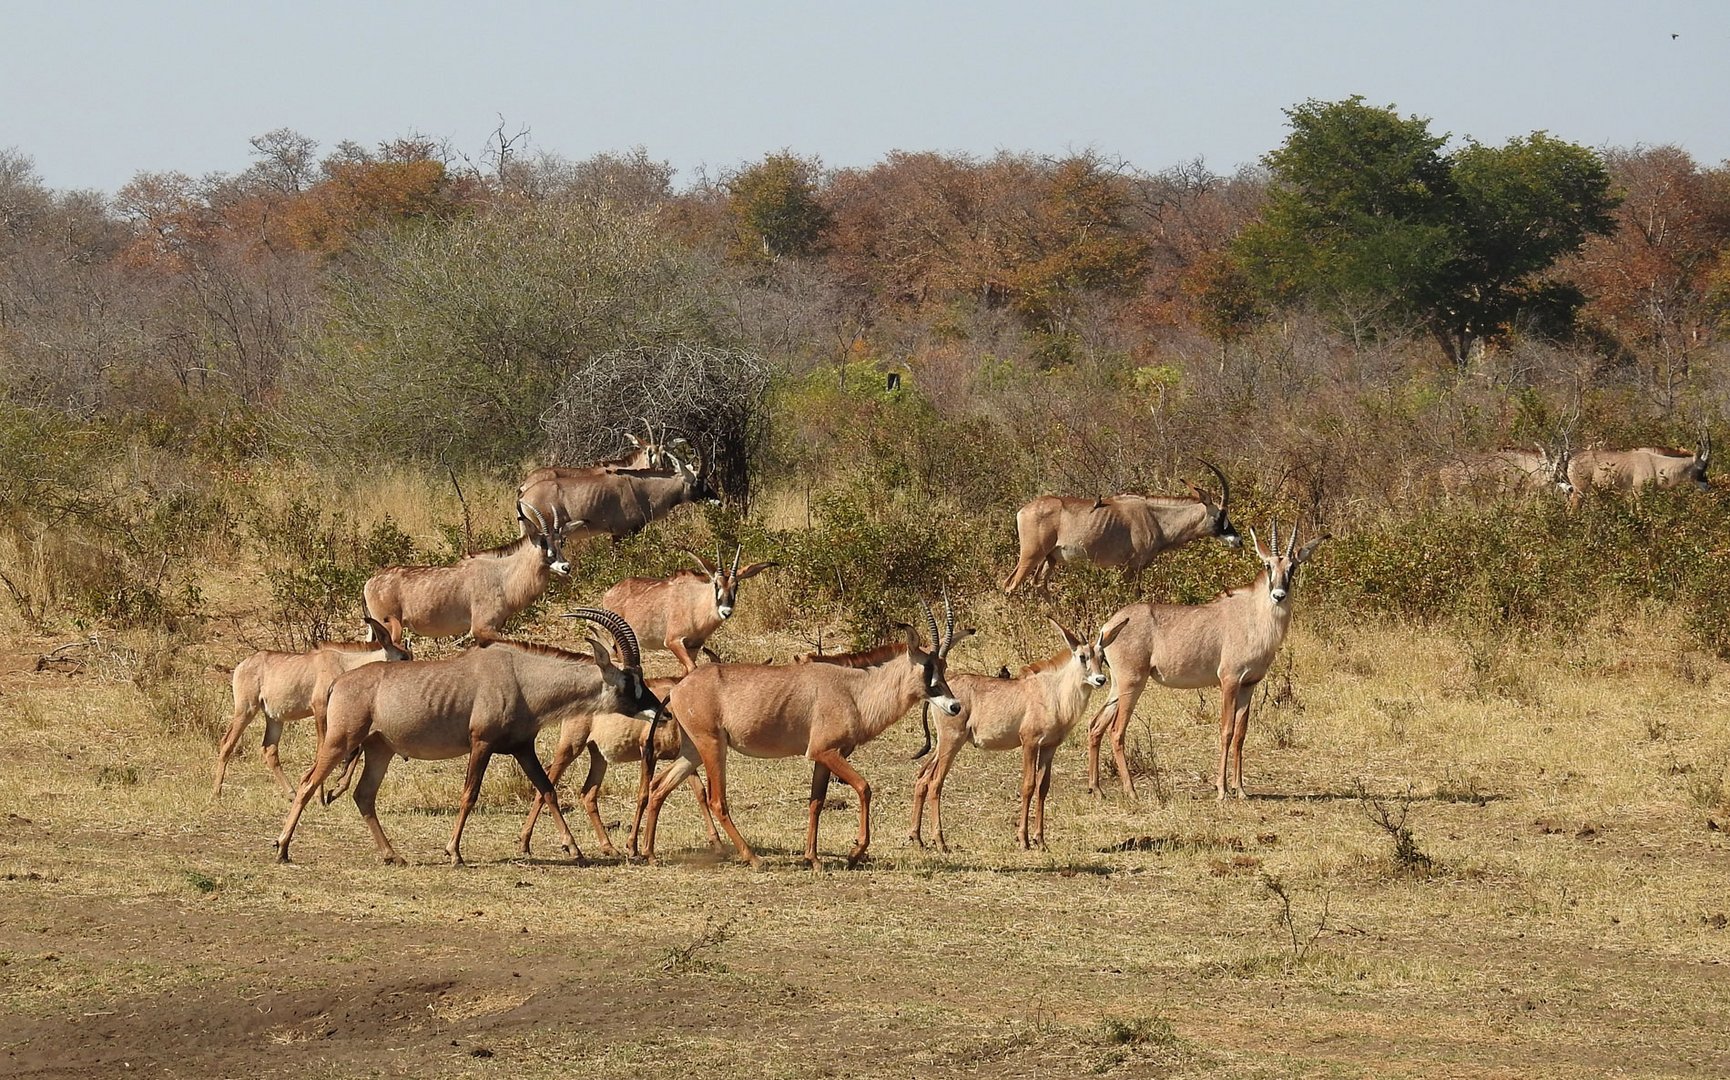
(1219, 521)
(934, 665)
(1090, 655)
(1282, 566)
(550, 541)
(698, 476)
(1556, 466)
(378, 635)
(625, 679)
(1702, 457)
(725, 581)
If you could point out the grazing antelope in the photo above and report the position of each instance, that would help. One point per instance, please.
(289, 686)
(617, 739)
(483, 701)
(1509, 471)
(677, 614)
(1630, 470)
(1034, 711)
(621, 502)
(1229, 642)
(477, 595)
(823, 709)
(1118, 530)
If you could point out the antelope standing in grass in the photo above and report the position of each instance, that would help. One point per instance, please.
(477, 595)
(679, 613)
(1033, 712)
(617, 739)
(1118, 530)
(1509, 471)
(1229, 642)
(289, 686)
(483, 701)
(1630, 470)
(822, 710)
(621, 502)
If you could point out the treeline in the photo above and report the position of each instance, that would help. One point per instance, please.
(1329, 325)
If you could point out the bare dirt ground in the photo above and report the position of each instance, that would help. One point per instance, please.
(1572, 922)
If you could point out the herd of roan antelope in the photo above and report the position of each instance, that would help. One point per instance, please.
(496, 696)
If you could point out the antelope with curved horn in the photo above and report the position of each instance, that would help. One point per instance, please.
(1630, 470)
(288, 686)
(622, 502)
(1118, 530)
(1509, 471)
(477, 595)
(1033, 712)
(481, 702)
(679, 613)
(617, 739)
(1229, 642)
(822, 709)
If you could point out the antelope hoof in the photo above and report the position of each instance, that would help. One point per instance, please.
(391, 858)
(942, 845)
(610, 851)
(855, 857)
(813, 862)
(456, 859)
(281, 851)
(755, 862)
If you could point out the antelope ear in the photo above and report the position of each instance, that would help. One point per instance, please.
(603, 658)
(1259, 550)
(913, 648)
(1109, 633)
(964, 633)
(702, 562)
(756, 568)
(1308, 549)
(1200, 495)
(1069, 637)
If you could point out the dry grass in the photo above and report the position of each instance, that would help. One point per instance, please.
(1571, 920)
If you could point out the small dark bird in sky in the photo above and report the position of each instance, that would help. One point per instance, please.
(1673, 37)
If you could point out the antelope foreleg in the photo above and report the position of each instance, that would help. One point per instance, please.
(1228, 691)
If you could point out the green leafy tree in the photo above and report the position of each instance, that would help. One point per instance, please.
(1367, 213)
(774, 209)
(451, 340)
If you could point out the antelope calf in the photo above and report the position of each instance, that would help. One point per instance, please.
(481, 702)
(1630, 470)
(1509, 471)
(1118, 530)
(617, 739)
(679, 613)
(289, 686)
(1033, 711)
(823, 710)
(477, 595)
(1229, 642)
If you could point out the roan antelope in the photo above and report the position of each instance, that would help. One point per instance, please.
(288, 686)
(1229, 642)
(619, 502)
(1630, 470)
(617, 739)
(1033, 712)
(823, 710)
(1509, 471)
(1118, 530)
(678, 613)
(476, 595)
(488, 699)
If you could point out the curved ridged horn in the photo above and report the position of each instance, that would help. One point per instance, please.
(1292, 543)
(738, 550)
(1224, 484)
(540, 522)
(1273, 536)
(614, 624)
(949, 621)
(931, 621)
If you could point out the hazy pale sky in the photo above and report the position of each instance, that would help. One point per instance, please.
(96, 92)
